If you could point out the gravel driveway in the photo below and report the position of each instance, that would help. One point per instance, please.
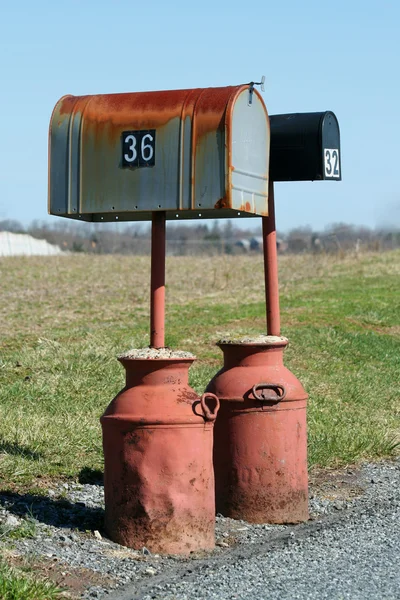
(349, 549)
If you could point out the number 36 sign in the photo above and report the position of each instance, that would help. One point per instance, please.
(139, 148)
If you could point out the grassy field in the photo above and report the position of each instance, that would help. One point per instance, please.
(64, 319)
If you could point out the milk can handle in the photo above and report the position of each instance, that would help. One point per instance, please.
(209, 415)
(280, 392)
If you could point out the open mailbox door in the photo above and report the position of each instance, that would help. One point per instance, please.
(192, 153)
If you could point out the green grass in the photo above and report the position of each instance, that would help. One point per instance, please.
(18, 584)
(64, 319)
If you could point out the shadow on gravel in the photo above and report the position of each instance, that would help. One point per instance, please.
(57, 512)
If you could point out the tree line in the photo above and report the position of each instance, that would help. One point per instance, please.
(215, 237)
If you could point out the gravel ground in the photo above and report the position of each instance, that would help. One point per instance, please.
(157, 353)
(349, 549)
(258, 339)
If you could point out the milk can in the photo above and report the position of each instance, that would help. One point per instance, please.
(260, 446)
(158, 473)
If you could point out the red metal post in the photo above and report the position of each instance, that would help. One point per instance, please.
(157, 291)
(271, 267)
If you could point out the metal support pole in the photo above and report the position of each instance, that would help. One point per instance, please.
(271, 267)
(157, 291)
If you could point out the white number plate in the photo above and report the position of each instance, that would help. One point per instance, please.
(332, 163)
(139, 148)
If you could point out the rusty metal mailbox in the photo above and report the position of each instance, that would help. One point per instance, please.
(191, 153)
(305, 147)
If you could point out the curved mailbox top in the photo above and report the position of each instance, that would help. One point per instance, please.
(305, 147)
(192, 153)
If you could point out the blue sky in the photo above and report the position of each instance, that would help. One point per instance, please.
(340, 55)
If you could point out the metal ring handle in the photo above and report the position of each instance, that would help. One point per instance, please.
(209, 415)
(269, 386)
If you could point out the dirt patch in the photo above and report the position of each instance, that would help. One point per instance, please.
(394, 330)
(72, 580)
(336, 484)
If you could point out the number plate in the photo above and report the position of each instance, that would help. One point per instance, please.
(332, 163)
(139, 148)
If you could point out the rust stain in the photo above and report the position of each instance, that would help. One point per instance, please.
(67, 104)
(187, 396)
(222, 203)
(209, 111)
(139, 109)
(109, 114)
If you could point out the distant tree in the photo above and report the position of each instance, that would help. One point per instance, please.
(11, 225)
(216, 230)
(77, 247)
(299, 239)
(227, 232)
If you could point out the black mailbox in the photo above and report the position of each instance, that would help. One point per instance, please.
(305, 147)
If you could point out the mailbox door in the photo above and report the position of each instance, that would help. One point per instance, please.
(331, 158)
(249, 166)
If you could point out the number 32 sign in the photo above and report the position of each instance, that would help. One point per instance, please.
(332, 163)
(139, 148)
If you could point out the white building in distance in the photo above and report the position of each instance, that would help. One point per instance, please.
(22, 244)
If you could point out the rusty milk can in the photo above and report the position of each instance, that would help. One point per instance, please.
(260, 447)
(158, 476)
